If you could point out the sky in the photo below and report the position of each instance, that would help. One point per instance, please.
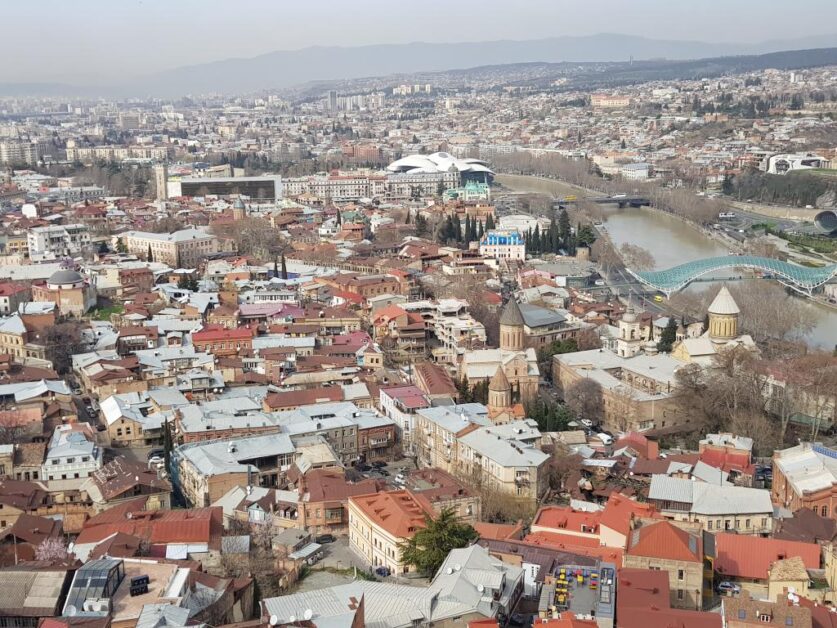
(105, 40)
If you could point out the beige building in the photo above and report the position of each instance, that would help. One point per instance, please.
(72, 294)
(181, 249)
(666, 547)
(380, 522)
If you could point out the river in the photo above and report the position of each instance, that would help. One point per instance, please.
(672, 241)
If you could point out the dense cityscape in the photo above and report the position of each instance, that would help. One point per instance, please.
(517, 345)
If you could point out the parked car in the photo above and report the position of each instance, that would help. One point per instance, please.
(383, 472)
(379, 464)
(324, 538)
(382, 572)
(363, 468)
(156, 453)
(587, 422)
(727, 587)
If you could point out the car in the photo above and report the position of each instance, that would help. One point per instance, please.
(599, 282)
(153, 462)
(156, 453)
(605, 438)
(587, 422)
(379, 464)
(324, 538)
(382, 572)
(383, 472)
(658, 298)
(518, 620)
(363, 468)
(728, 587)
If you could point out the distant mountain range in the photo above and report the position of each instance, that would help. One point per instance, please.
(282, 69)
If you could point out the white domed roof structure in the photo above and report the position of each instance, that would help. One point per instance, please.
(438, 162)
(724, 304)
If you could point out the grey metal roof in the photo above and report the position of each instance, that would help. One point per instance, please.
(536, 316)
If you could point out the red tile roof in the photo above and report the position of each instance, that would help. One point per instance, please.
(574, 545)
(664, 540)
(620, 510)
(741, 556)
(565, 518)
(209, 335)
(642, 601)
(397, 512)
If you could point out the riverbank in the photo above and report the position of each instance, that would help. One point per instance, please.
(673, 241)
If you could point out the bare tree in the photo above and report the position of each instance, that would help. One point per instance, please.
(636, 257)
(585, 400)
(51, 549)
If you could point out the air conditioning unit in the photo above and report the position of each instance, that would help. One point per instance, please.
(96, 606)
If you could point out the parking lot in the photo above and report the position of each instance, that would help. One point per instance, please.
(387, 472)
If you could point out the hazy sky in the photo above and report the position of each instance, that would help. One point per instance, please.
(101, 40)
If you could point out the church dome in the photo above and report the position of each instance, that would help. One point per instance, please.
(65, 277)
(724, 304)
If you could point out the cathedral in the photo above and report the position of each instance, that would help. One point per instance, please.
(519, 365)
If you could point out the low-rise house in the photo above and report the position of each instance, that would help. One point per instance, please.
(747, 560)
(256, 504)
(716, 507)
(380, 522)
(72, 455)
(122, 480)
(19, 542)
(324, 498)
(661, 545)
(643, 600)
(744, 611)
(470, 585)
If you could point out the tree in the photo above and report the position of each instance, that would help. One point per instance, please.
(668, 337)
(585, 400)
(284, 268)
(407, 219)
(564, 229)
(637, 257)
(339, 218)
(429, 546)
(62, 342)
(168, 444)
(489, 223)
(51, 549)
(421, 225)
(149, 257)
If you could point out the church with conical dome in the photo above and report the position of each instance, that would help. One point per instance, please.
(519, 365)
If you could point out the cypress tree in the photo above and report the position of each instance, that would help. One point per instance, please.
(149, 257)
(536, 239)
(480, 231)
(564, 229)
(284, 268)
(489, 223)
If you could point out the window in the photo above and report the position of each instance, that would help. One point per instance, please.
(681, 574)
(70, 460)
(788, 621)
(742, 614)
(747, 523)
(679, 594)
(825, 511)
(709, 525)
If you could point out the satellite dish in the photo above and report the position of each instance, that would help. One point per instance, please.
(274, 620)
(292, 619)
(308, 614)
(72, 611)
(480, 588)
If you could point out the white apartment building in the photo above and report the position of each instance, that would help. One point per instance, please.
(57, 241)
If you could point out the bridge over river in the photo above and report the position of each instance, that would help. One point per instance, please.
(801, 278)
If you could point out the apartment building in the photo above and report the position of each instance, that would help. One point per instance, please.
(181, 249)
(57, 241)
(379, 523)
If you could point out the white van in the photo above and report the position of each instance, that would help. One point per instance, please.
(605, 438)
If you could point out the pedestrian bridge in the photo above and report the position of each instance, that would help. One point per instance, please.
(800, 278)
